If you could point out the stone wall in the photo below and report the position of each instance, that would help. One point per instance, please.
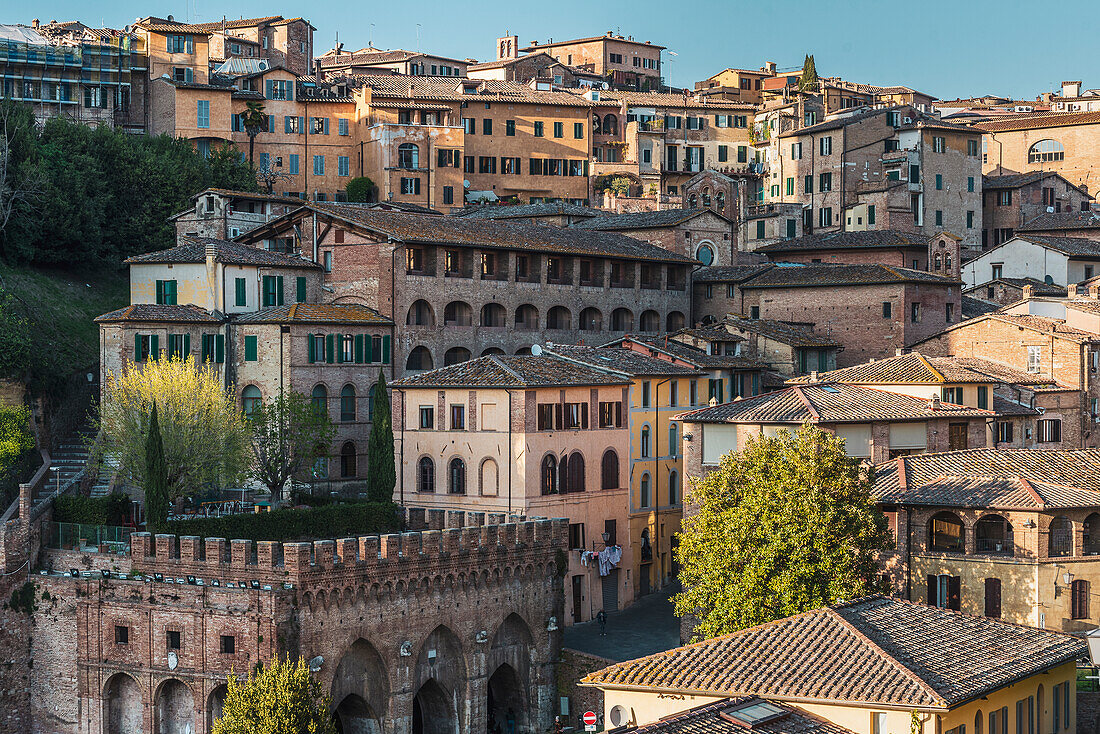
(575, 665)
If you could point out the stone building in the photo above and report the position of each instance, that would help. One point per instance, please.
(1065, 224)
(1013, 201)
(539, 69)
(700, 234)
(1059, 142)
(1053, 260)
(1006, 291)
(1010, 535)
(737, 85)
(467, 288)
(451, 627)
(372, 61)
(622, 61)
(939, 254)
(532, 435)
(223, 215)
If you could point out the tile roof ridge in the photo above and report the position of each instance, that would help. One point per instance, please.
(928, 364)
(805, 400)
(1032, 492)
(495, 359)
(895, 663)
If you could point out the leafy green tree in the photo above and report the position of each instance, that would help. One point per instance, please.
(15, 339)
(156, 475)
(360, 189)
(206, 441)
(288, 436)
(381, 470)
(784, 526)
(254, 120)
(809, 74)
(278, 698)
(15, 435)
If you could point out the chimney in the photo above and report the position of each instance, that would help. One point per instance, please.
(211, 253)
(898, 351)
(813, 376)
(713, 402)
(1071, 89)
(34, 24)
(934, 402)
(770, 67)
(1094, 291)
(1028, 292)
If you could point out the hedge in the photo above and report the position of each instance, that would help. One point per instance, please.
(318, 523)
(114, 509)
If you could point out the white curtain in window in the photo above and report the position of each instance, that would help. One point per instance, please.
(718, 440)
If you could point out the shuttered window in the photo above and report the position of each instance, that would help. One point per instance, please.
(166, 292)
(251, 349)
(993, 598)
(1080, 599)
(241, 293)
(213, 348)
(300, 289)
(273, 290)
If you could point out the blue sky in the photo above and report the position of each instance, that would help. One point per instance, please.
(947, 49)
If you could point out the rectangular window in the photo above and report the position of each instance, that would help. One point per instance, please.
(576, 536)
(228, 645)
(871, 214)
(273, 290)
(1050, 430)
(970, 219)
(578, 130)
(1034, 358)
(1004, 432)
(166, 292)
(559, 129)
(343, 166)
(970, 183)
(342, 126)
(827, 145)
(878, 722)
(983, 397)
(939, 145)
(939, 217)
(576, 415)
(203, 114)
(887, 309)
(760, 234)
(122, 634)
(796, 151)
(914, 313)
(538, 129)
(790, 186)
(1004, 197)
(939, 182)
(487, 126)
(448, 194)
(742, 154)
(427, 417)
(468, 125)
(611, 415)
(825, 217)
(300, 289)
(318, 165)
(410, 186)
(972, 149)
(808, 184)
(174, 639)
(510, 128)
(645, 394)
(250, 349)
(458, 417)
(294, 164)
(545, 413)
(825, 182)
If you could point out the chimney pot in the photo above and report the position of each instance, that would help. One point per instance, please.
(1028, 292)
(934, 402)
(813, 376)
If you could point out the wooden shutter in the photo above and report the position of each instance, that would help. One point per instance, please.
(204, 354)
(993, 598)
(330, 343)
(219, 348)
(242, 298)
(300, 289)
(160, 291)
(386, 348)
(584, 415)
(301, 125)
(270, 89)
(326, 126)
(279, 290)
(186, 346)
(137, 347)
(154, 347)
(618, 414)
(372, 349)
(931, 589)
(311, 349)
(954, 588)
(339, 348)
(359, 349)
(170, 288)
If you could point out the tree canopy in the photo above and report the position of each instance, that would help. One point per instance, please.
(381, 471)
(809, 74)
(288, 435)
(205, 440)
(784, 526)
(279, 697)
(98, 195)
(360, 189)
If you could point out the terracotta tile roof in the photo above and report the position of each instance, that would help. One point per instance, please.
(1041, 324)
(914, 368)
(871, 239)
(1031, 122)
(1087, 305)
(521, 211)
(156, 312)
(644, 220)
(505, 371)
(254, 195)
(1072, 246)
(1016, 180)
(711, 332)
(193, 250)
(993, 478)
(1041, 288)
(489, 233)
(780, 331)
(451, 88)
(672, 101)
(625, 361)
(973, 307)
(708, 719)
(729, 273)
(695, 356)
(316, 313)
(796, 275)
(875, 650)
(171, 26)
(365, 57)
(1062, 221)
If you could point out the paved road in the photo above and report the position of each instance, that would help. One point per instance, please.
(645, 627)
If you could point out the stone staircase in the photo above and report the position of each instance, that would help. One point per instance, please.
(67, 462)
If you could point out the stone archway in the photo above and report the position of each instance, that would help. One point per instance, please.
(360, 690)
(174, 712)
(506, 710)
(122, 707)
(215, 704)
(433, 710)
(509, 691)
(440, 680)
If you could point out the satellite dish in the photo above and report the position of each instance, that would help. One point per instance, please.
(262, 65)
(316, 663)
(536, 350)
(465, 184)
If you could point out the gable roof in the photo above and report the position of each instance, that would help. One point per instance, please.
(193, 250)
(316, 313)
(1072, 246)
(829, 402)
(780, 331)
(870, 239)
(154, 312)
(694, 355)
(1002, 479)
(875, 650)
(645, 220)
(808, 276)
(729, 273)
(163, 25)
(1016, 180)
(709, 719)
(521, 211)
(913, 368)
(972, 307)
(1040, 324)
(452, 88)
(505, 371)
(1041, 288)
(1062, 221)
(1031, 122)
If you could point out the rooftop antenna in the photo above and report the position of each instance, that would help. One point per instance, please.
(418, 38)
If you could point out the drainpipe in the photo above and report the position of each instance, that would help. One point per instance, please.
(509, 392)
(909, 553)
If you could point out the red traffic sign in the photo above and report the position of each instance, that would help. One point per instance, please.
(589, 718)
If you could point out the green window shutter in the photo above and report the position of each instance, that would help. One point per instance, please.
(219, 348)
(171, 292)
(242, 297)
(300, 289)
(154, 347)
(358, 349)
(160, 291)
(374, 349)
(207, 348)
(330, 343)
(721, 391)
(250, 349)
(823, 361)
(386, 348)
(137, 347)
(186, 345)
(339, 349)
(279, 291)
(266, 287)
(311, 349)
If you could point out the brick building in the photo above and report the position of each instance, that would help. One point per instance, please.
(700, 234)
(222, 215)
(622, 61)
(372, 61)
(529, 435)
(1013, 201)
(1065, 224)
(467, 288)
(737, 85)
(558, 213)
(939, 254)
(539, 69)
(1006, 291)
(1060, 142)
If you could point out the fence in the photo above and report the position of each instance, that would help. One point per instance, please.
(90, 538)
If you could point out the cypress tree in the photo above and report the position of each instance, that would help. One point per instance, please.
(382, 473)
(809, 73)
(156, 475)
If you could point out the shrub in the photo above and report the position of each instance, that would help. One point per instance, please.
(360, 189)
(329, 521)
(114, 509)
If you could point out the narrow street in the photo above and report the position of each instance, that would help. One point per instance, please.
(645, 627)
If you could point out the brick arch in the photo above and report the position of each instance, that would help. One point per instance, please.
(361, 688)
(173, 707)
(123, 708)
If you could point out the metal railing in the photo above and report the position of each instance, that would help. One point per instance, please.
(90, 538)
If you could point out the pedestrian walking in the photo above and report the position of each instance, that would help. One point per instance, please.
(601, 618)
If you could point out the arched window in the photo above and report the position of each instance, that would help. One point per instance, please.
(609, 470)
(649, 322)
(645, 441)
(370, 401)
(488, 479)
(721, 199)
(947, 261)
(456, 476)
(673, 488)
(549, 474)
(939, 261)
(1060, 542)
(706, 198)
(527, 318)
(250, 399)
(597, 124)
(320, 399)
(420, 314)
(610, 125)
(673, 440)
(645, 499)
(705, 255)
(425, 474)
(1046, 151)
(591, 320)
(457, 313)
(492, 350)
(493, 315)
(993, 535)
(408, 156)
(576, 473)
(1092, 535)
(347, 460)
(945, 533)
(420, 359)
(692, 201)
(559, 318)
(674, 321)
(455, 355)
(622, 320)
(347, 403)
(523, 352)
